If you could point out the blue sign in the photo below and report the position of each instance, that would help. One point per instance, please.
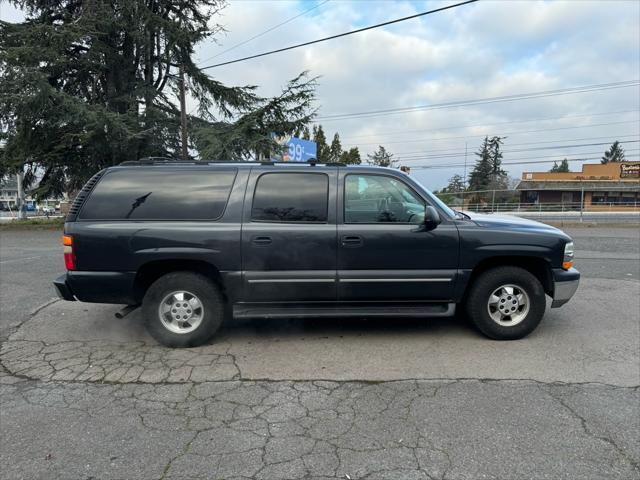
(301, 150)
(298, 150)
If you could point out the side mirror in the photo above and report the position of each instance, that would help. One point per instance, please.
(431, 217)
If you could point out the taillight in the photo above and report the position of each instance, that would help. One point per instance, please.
(69, 256)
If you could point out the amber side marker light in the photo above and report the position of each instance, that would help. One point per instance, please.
(69, 256)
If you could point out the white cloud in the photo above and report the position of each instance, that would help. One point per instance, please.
(482, 50)
(487, 49)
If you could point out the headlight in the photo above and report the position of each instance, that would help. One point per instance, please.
(567, 261)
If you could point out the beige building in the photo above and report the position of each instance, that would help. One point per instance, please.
(600, 187)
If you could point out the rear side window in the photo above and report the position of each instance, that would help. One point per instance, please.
(291, 197)
(159, 194)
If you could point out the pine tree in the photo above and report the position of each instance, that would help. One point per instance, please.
(305, 133)
(381, 158)
(614, 154)
(498, 179)
(563, 167)
(351, 157)
(322, 149)
(88, 84)
(488, 173)
(497, 171)
(456, 184)
(480, 177)
(335, 151)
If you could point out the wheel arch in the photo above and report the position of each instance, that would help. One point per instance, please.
(537, 266)
(149, 272)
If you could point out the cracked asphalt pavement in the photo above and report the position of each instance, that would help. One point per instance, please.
(83, 395)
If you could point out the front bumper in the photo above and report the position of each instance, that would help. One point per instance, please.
(565, 284)
(62, 288)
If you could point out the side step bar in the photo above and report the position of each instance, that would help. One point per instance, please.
(319, 311)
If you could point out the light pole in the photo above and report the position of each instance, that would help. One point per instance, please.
(20, 200)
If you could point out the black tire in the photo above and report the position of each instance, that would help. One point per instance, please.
(212, 310)
(486, 284)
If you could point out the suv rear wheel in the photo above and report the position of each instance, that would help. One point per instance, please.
(183, 309)
(506, 303)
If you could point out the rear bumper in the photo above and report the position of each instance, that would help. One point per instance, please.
(62, 289)
(565, 284)
(97, 287)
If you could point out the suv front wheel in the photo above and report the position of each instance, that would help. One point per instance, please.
(506, 303)
(183, 309)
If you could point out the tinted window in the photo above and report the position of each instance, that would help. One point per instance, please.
(291, 197)
(380, 199)
(159, 194)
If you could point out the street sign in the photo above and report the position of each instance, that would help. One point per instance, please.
(298, 150)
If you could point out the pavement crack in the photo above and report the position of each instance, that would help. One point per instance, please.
(585, 427)
(184, 451)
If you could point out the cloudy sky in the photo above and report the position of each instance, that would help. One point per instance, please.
(484, 50)
(487, 49)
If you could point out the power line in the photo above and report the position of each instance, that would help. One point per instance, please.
(511, 163)
(566, 155)
(497, 134)
(448, 150)
(534, 149)
(482, 101)
(396, 132)
(266, 31)
(332, 37)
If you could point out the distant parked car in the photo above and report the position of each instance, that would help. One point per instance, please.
(193, 242)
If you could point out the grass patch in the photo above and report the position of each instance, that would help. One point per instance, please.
(33, 224)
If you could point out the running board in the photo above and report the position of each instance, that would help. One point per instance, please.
(320, 311)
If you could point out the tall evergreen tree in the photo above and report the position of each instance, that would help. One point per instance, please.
(615, 153)
(381, 158)
(322, 149)
(351, 157)
(480, 177)
(498, 180)
(335, 150)
(488, 173)
(305, 133)
(497, 171)
(85, 84)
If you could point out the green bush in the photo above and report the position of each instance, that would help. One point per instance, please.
(33, 223)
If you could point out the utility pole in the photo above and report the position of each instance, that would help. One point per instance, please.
(464, 180)
(581, 200)
(183, 115)
(20, 200)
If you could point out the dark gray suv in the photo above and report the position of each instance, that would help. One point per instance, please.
(195, 242)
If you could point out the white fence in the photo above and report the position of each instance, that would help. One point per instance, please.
(496, 207)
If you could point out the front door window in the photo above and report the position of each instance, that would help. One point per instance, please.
(380, 199)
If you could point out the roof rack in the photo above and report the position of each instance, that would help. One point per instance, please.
(175, 161)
